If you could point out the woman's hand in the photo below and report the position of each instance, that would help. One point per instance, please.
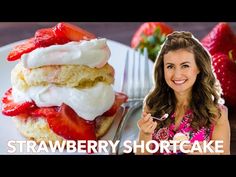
(146, 127)
(146, 124)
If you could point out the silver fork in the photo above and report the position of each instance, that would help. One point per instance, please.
(135, 86)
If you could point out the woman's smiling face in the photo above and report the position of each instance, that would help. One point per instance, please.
(180, 70)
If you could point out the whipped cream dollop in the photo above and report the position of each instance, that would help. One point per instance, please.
(88, 103)
(93, 53)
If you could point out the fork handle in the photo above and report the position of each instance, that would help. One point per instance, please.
(128, 110)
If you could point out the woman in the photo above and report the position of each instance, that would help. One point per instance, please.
(186, 88)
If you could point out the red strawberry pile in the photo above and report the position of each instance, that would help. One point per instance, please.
(60, 34)
(221, 43)
(61, 119)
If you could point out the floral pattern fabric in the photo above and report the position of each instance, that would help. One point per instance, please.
(167, 133)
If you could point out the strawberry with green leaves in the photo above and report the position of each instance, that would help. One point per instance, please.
(151, 35)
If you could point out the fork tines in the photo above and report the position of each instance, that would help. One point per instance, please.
(136, 80)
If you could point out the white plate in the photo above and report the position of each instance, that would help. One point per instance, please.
(8, 130)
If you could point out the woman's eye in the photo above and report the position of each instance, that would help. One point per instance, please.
(185, 66)
(169, 67)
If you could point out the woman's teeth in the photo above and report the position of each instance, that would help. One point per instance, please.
(179, 81)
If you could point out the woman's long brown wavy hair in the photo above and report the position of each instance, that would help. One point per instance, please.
(206, 90)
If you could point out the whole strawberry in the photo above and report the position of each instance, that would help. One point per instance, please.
(225, 69)
(220, 39)
(150, 35)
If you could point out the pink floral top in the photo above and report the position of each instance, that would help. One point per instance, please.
(167, 133)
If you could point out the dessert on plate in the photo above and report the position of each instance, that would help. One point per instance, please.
(62, 86)
(180, 137)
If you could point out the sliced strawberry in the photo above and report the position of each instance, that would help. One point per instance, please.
(72, 32)
(60, 34)
(69, 125)
(120, 98)
(45, 37)
(20, 49)
(9, 108)
(44, 111)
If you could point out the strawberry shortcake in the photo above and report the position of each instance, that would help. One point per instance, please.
(62, 86)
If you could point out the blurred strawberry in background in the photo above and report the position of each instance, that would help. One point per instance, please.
(221, 43)
(225, 69)
(220, 39)
(150, 35)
